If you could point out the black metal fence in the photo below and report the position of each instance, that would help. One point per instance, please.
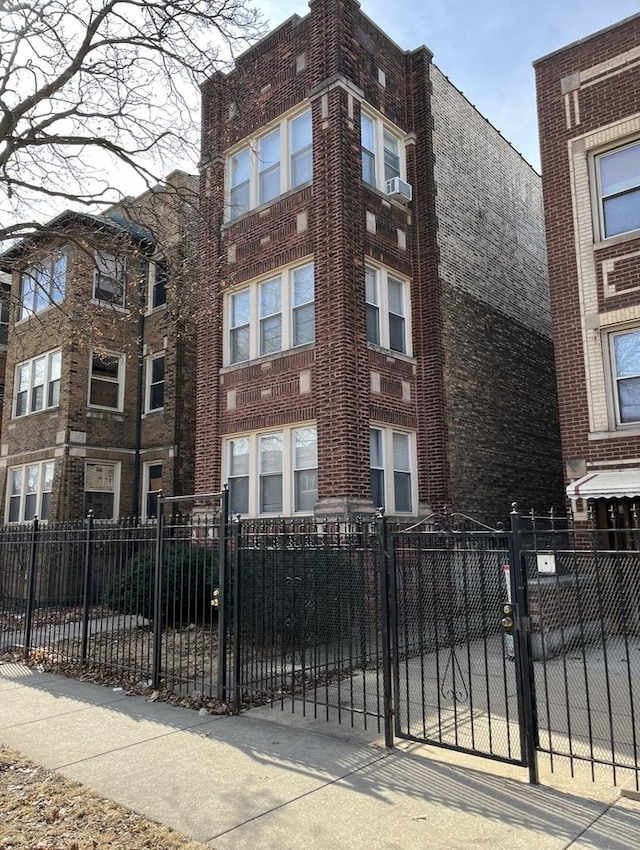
(513, 644)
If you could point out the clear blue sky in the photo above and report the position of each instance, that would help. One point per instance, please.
(486, 47)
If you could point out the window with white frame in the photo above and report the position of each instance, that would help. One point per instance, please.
(275, 162)
(382, 151)
(106, 380)
(43, 284)
(155, 382)
(271, 315)
(625, 359)
(618, 174)
(392, 470)
(273, 473)
(101, 489)
(152, 488)
(109, 278)
(387, 304)
(157, 283)
(29, 490)
(37, 384)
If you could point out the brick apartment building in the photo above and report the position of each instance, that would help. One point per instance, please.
(100, 388)
(589, 116)
(367, 342)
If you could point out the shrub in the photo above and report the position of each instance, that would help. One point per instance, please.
(190, 573)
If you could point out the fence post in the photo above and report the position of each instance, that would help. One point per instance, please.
(523, 654)
(88, 569)
(223, 596)
(236, 630)
(31, 586)
(383, 572)
(157, 597)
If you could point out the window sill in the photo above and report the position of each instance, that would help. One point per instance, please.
(616, 240)
(117, 307)
(266, 358)
(105, 413)
(35, 314)
(388, 198)
(151, 311)
(389, 352)
(53, 410)
(622, 432)
(152, 413)
(262, 207)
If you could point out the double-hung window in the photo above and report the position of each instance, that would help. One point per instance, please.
(155, 382)
(43, 284)
(29, 491)
(272, 315)
(37, 384)
(625, 358)
(152, 488)
(106, 380)
(101, 489)
(387, 307)
(109, 278)
(157, 283)
(392, 470)
(382, 151)
(619, 187)
(269, 165)
(273, 473)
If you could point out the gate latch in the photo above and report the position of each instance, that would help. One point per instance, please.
(507, 618)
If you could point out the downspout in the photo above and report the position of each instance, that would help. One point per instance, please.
(139, 395)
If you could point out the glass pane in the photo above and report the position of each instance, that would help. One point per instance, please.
(240, 164)
(270, 297)
(373, 324)
(627, 354)
(396, 333)
(376, 456)
(47, 476)
(23, 378)
(269, 184)
(16, 482)
(304, 325)
(39, 369)
(105, 367)
(269, 150)
(33, 476)
(401, 452)
(45, 504)
(239, 200)
(157, 369)
(305, 448)
(368, 168)
(37, 398)
(54, 394)
(104, 393)
(240, 308)
(371, 285)
(377, 488)
(270, 335)
(622, 213)
(239, 457)
(21, 403)
(100, 476)
(155, 476)
(271, 453)
(56, 360)
(239, 344)
(156, 399)
(271, 493)
(100, 503)
(402, 491)
(366, 132)
(30, 506)
(27, 292)
(391, 156)
(303, 286)
(396, 296)
(620, 170)
(629, 396)
(301, 131)
(306, 490)
(59, 277)
(14, 509)
(239, 495)
(301, 168)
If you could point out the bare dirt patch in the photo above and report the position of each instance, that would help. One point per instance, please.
(40, 810)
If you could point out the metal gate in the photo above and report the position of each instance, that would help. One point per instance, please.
(459, 676)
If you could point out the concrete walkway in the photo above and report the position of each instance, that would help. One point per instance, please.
(269, 779)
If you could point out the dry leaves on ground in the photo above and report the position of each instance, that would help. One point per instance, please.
(40, 810)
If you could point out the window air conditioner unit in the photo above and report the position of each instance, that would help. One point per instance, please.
(399, 190)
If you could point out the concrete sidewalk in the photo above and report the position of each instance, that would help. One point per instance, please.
(265, 779)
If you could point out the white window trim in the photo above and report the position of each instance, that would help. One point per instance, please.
(121, 268)
(288, 467)
(383, 273)
(41, 464)
(147, 403)
(48, 355)
(598, 199)
(121, 379)
(116, 484)
(153, 264)
(286, 275)
(387, 461)
(283, 124)
(380, 124)
(146, 466)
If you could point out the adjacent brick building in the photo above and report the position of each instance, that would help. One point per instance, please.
(100, 378)
(358, 348)
(588, 107)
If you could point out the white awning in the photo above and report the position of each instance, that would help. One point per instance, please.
(606, 485)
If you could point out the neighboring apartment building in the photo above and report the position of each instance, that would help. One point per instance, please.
(100, 387)
(589, 115)
(372, 252)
